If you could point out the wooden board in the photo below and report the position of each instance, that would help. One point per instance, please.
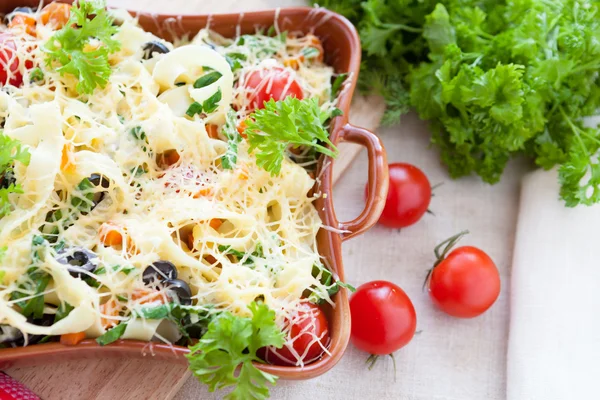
(145, 378)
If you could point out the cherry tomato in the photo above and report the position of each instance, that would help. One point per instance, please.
(465, 283)
(274, 83)
(383, 318)
(9, 62)
(308, 336)
(408, 197)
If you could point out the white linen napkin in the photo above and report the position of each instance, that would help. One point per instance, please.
(554, 340)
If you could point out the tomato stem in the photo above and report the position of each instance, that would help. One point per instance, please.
(395, 369)
(371, 361)
(437, 185)
(447, 244)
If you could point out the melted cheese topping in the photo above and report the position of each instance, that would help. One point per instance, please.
(191, 213)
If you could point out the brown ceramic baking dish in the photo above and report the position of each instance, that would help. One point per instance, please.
(342, 51)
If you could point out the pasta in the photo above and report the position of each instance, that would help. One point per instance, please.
(133, 176)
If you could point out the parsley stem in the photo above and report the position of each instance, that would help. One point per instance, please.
(402, 27)
(577, 131)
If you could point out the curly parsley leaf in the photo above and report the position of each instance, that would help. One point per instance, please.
(11, 151)
(290, 122)
(231, 342)
(81, 48)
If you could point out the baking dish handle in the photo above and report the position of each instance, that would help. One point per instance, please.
(378, 180)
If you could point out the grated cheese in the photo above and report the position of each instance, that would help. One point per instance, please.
(160, 213)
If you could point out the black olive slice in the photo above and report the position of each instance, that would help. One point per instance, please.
(78, 261)
(159, 271)
(180, 290)
(153, 47)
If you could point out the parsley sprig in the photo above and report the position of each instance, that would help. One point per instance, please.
(11, 150)
(71, 47)
(231, 342)
(290, 122)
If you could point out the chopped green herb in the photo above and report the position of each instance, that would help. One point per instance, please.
(326, 278)
(83, 197)
(310, 52)
(36, 75)
(112, 335)
(229, 159)
(248, 259)
(337, 84)
(193, 109)
(237, 56)
(34, 307)
(207, 79)
(62, 311)
(116, 268)
(336, 112)
(233, 63)
(153, 312)
(210, 105)
(233, 252)
(138, 133)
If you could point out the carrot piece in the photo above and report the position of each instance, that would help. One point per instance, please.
(190, 240)
(56, 13)
(66, 162)
(110, 308)
(242, 127)
(110, 235)
(23, 21)
(293, 62)
(242, 172)
(203, 192)
(213, 131)
(215, 223)
(144, 296)
(71, 339)
(210, 259)
(168, 158)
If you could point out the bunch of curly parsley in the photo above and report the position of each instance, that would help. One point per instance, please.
(495, 78)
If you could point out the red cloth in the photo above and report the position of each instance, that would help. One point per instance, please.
(11, 389)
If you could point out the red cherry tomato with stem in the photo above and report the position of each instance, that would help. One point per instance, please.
(463, 282)
(274, 83)
(408, 197)
(307, 338)
(383, 319)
